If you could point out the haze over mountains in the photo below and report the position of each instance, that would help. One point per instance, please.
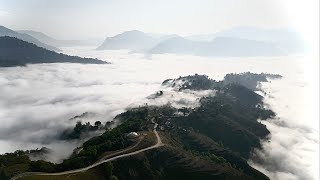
(235, 42)
(25, 37)
(240, 41)
(287, 40)
(61, 43)
(219, 47)
(133, 40)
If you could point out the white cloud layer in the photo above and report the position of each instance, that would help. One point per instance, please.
(37, 101)
(2, 12)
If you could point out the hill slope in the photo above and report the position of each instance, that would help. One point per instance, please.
(25, 37)
(16, 52)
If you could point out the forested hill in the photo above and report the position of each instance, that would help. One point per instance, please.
(15, 52)
(209, 141)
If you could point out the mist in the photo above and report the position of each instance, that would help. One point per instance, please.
(38, 101)
(293, 149)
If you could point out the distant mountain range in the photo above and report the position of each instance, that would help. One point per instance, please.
(25, 37)
(287, 40)
(16, 52)
(132, 40)
(61, 43)
(236, 42)
(219, 47)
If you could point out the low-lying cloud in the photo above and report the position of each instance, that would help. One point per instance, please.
(37, 102)
(293, 150)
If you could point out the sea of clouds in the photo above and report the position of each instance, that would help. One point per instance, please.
(38, 101)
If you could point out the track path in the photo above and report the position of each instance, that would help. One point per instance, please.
(101, 161)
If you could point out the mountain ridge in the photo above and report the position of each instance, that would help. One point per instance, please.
(4, 31)
(133, 40)
(16, 52)
(238, 41)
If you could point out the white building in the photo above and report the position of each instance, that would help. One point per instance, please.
(132, 135)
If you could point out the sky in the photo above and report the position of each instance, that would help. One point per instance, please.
(79, 19)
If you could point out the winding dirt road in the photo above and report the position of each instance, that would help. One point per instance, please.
(158, 144)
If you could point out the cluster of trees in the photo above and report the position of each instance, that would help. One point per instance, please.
(203, 82)
(192, 82)
(230, 120)
(80, 129)
(213, 157)
(231, 115)
(108, 171)
(132, 120)
(203, 147)
(13, 163)
(249, 80)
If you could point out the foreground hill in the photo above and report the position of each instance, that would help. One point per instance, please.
(210, 141)
(16, 52)
(25, 37)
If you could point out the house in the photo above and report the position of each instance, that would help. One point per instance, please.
(132, 135)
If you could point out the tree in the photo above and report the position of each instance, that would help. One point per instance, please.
(108, 167)
(41, 166)
(78, 127)
(97, 123)
(114, 177)
(90, 151)
(3, 175)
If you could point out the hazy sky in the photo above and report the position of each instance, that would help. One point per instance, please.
(77, 18)
(74, 19)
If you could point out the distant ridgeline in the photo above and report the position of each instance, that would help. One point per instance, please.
(16, 52)
(25, 37)
(211, 141)
(235, 42)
